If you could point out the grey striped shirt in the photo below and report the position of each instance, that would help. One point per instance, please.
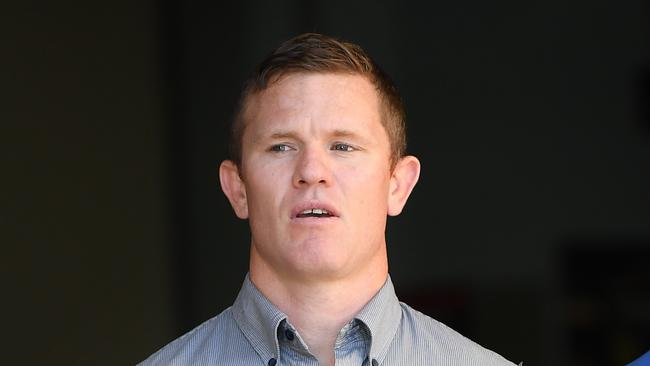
(385, 332)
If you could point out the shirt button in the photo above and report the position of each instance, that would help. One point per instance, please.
(289, 334)
(272, 362)
(374, 362)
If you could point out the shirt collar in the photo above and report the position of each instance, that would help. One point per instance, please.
(259, 320)
(382, 315)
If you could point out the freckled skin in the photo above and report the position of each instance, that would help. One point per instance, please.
(308, 112)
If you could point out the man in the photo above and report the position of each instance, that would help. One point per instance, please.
(317, 165)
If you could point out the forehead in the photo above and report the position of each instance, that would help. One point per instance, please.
(315, 100)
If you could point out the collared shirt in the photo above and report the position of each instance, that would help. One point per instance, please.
(385, 332)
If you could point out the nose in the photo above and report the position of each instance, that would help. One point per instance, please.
(312, 167)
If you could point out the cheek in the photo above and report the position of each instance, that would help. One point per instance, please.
(368, 187)
(265, 189)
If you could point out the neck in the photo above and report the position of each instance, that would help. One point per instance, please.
(319, 308)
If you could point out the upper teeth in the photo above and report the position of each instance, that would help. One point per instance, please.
(316, 211)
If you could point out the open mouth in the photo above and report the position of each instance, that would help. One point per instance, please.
(314, 212)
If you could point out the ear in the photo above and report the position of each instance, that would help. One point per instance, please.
(233, 187)
(403, 179)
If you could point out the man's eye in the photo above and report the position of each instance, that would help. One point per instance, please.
(342, 147)
(280, 148)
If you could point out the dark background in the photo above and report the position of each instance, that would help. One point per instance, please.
(529, 230)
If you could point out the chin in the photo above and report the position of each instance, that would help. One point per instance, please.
(323, 265)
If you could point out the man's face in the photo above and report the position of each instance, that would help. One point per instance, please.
(315, 175)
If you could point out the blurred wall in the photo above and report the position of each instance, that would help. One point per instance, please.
(84, 184)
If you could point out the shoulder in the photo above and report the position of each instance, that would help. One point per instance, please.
(440, 344)
(218, 341)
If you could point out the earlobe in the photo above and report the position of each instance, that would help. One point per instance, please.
(405, 176)
(233, 187)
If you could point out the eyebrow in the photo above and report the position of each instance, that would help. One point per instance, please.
(344, 133)
(293, 135)
(284, 135)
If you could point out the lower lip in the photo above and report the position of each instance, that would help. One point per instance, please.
(314, 221)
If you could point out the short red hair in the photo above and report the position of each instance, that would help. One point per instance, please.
(311, 52)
